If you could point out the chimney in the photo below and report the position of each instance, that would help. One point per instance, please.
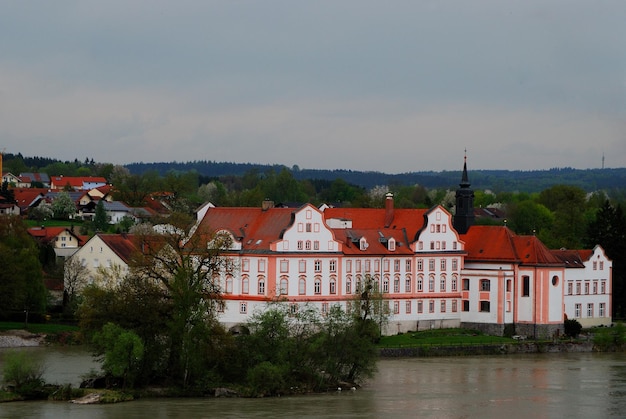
(388, 209)
(267, 204)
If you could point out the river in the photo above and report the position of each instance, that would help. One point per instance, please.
(577, 385)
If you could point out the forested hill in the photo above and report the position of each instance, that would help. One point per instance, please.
(497, 180)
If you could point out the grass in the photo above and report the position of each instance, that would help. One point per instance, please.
(440, 337)
(45, 328)
(53, 223)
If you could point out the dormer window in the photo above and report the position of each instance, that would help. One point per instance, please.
(391, 245)
(363, 244)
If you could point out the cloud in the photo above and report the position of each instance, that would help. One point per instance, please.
(364, 85)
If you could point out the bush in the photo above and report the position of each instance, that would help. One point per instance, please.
(572, 328)
(24, 373)
(266, 379)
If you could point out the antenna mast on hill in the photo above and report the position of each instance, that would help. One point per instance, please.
(603, 159)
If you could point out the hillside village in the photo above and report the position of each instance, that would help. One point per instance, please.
(433, 267)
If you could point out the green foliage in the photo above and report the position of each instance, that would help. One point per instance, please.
(63, 206)
(100, 221)
(266, 378)
(572, 328)
(41, 212)
(122, 352)
(610, 338)
(529, 217)
(21, 286)
(608, 229)
(24, 373)
(299, 349)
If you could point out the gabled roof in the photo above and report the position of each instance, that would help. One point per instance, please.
(500, 244)
(38, 177)
(25, 197)
(48, 234)
(116, 206)
(60, 182)
(123, 245)
(369, 223)
(572, 258)
(254, 227)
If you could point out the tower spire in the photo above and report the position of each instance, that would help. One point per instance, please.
(464, 211)
(464, 178)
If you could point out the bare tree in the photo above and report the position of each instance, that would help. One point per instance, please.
(75, 278)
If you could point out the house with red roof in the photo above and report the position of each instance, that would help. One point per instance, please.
(64, 240)
(107, 252)
(84, 183)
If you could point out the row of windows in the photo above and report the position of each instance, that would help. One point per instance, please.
(596, 263)
(590, 310)
(421, 307)
(350, 288)
(436, 245)
(359, 265)
(590, 287)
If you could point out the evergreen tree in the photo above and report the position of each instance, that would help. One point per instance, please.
(21, 283)
(100, 221)
(609, 231)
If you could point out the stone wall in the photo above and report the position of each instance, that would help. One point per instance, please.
(486, 349)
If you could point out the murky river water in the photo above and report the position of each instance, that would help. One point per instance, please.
(521, 386)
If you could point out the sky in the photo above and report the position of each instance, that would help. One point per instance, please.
(392, 86)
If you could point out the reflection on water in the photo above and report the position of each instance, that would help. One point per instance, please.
(520, 386)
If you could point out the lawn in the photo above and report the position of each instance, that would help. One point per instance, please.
(54, 223)
(45, 328)
(440, 337)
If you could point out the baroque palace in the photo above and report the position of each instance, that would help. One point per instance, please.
(433, 269)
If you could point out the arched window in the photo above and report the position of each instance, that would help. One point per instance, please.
(386, 284)
(317, 285)
(261, 286)
(284, 286)
(229, 284)
(245, 284)
(349, 285)
(302, 285)
(332, 286)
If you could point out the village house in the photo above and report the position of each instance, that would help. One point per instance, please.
(64, 240)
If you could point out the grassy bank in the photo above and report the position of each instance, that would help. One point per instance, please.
(42, 328)
(440, 337)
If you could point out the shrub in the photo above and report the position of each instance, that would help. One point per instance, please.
(572, 328)
(24, 373)
(266, 379)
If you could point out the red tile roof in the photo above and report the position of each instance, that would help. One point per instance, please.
(255, 228)
(25, 196)
(500, 244)
(123, 245)
(48, 234)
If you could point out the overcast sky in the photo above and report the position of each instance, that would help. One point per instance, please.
(392, 86)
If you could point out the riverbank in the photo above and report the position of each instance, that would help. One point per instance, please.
(527, 347)
(20, 338)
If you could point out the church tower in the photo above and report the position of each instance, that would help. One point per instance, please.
(464, 213)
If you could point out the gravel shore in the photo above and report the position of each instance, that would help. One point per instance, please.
(19, 338)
